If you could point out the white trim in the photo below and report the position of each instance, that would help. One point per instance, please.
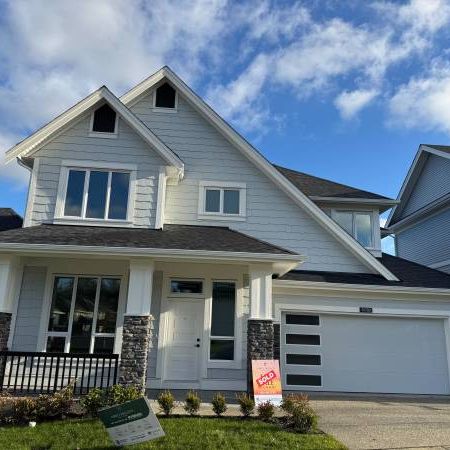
(208, 384)
(440, 264)
(254, 156)
(161, 199)
(161, 108)
(17, 288)
(31, 144)
(101, 134)
(28, 219)
(221, 186)
(92, 164)
(358, 201)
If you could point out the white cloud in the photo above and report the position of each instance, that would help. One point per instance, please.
(424, 102)
(351, 103)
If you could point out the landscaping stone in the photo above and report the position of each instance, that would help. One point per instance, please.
(136, 339)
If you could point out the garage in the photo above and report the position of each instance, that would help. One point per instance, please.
(363, 353)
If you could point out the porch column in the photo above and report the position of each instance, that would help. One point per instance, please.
(9, 276)
(137, 325)
(260, 332)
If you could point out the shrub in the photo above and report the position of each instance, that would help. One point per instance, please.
(97, 398)
(192, 403)
(166, 402)
(246, 404)
(300, 415)
(219, 404)
(266, 410)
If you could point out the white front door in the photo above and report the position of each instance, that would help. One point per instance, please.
(184, 344)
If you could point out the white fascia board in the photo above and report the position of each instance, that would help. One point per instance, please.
(366, 288)
(39, 138)
(435, 151)
(262, 163)
(93, 250)
(363, 201)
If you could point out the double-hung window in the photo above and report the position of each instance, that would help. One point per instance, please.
(97, 194)
(223, 313)
(83, 314)
(226, 200)
(357, 223)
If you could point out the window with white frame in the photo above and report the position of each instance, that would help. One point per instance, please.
(97, 194)
(83, 314)
(222, 199)
(357, 223)
(222, 335)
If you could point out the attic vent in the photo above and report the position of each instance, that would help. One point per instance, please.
(104, 120)
(165, 96)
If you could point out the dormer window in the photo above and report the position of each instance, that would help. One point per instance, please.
(104, 122)
(165, 97)
(356, 223)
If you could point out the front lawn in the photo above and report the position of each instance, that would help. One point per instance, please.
(181, 433)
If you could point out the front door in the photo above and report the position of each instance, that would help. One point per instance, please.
(184, 339)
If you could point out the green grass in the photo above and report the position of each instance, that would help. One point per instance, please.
(181, 433)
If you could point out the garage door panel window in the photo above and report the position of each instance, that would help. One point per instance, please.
(301, 319)
(305, 360)
(303, 339)
(303, 380)
(222, 340)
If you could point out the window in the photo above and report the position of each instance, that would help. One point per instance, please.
(97, 194)
(222, 321)
(303, 339)
(222, 199)
(104, 120)
(165, 97)
(298, 319)
(83, 314)
(186, 287)
(357, 224)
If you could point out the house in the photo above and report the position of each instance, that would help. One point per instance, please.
(421, 220)
(154, 231)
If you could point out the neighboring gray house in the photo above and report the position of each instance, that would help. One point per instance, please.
(9, 219)
(421, 220)
(155, 232)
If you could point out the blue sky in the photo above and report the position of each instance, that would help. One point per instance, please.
(342, 90)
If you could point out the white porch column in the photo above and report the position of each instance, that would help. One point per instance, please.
(260, 292)
(137, 325)
(9, 279)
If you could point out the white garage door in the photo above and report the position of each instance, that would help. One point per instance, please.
(363, 354)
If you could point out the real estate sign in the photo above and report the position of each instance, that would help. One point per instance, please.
(131, 422)
(267, 381)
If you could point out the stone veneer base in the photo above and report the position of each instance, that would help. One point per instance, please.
(136, 339)
(5, 326)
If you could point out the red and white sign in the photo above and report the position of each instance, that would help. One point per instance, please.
(266, 381)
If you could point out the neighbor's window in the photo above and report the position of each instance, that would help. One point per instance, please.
(97, 194)
(83, 314)
(165, 96)
(358, 224)
(104, 120)
(222, 321)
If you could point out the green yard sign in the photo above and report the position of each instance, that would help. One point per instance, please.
(131, 422)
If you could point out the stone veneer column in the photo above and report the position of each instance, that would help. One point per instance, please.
(5, 325)
(276, 341)
(136, 339)
(260, 344)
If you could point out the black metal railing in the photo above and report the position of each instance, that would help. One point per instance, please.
(42, 373)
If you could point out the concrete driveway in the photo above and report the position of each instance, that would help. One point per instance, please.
(387, 423)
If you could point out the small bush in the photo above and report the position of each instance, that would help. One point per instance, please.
(266, 410)
(246, 404)
(300, 415)
(192, 403)
(97, 398)
(166, 402)
(219, 404)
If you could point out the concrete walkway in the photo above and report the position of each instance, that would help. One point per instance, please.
(387, 423)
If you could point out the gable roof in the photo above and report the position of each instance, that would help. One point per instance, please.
(410, 274)
(67, 118)
(9, 219)
(259, 161)
(322, 189)
(412, 176)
